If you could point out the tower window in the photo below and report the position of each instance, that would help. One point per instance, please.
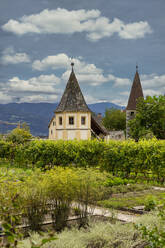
(132, 113)
(51, 131)
(60, 120)
(83, 120)
(71, 120)
(54, 123)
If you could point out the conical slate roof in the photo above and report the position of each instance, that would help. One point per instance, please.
(136, 92)
(72, 99)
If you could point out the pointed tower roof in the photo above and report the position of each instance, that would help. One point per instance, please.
(72, 99)
(136, 92)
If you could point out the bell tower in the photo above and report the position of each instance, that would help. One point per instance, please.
(135, 94)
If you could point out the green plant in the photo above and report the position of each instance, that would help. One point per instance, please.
(150, 204)
(126, 159)
(154, 234)
(149, 119)
(19, 135)
(114, 181)
(34, 200)
(114, 119)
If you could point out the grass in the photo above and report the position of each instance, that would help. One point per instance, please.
(13, 172)
(131, 200)
(129, 188)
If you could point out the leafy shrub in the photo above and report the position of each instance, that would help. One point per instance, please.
(114, 181)
(19, 136)
(150, 204)
(55, 192)
(153, 233)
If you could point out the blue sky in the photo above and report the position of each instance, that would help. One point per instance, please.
(105, 38)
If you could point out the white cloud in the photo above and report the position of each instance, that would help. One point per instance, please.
(11, 57)
(153, 81)
(60, 60)
(134, 30)
(86, 73)
(42, 84)
(119, 101)
(88, 78)
(151, 92)
(5, 98)
(63, 21)
(44, 88)
(90, 99)
(119, 82)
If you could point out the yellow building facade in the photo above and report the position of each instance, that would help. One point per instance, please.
(70, 125)
(72, 118)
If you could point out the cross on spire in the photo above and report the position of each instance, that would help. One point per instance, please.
(72, 64)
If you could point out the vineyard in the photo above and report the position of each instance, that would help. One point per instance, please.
(146, 157)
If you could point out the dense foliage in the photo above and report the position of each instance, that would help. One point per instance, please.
(19, 135)
(145, 156)
(114, 119)
(150, 118)
(33, 197)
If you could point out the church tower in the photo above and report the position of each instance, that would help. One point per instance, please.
(135, 94)
(72, 119)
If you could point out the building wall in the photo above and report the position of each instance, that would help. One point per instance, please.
(115, 135)
(52, 129)
(66, 131)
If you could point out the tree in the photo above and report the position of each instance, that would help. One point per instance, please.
(19, 135)
(114, 119)
(150, 118)
(25, 126)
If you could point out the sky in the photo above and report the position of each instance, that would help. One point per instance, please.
(105, 39)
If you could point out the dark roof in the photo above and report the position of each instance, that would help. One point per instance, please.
(51, 121)
(72, 99)
(136, 92)
(96, 122)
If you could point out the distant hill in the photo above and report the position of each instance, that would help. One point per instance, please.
(38, 115)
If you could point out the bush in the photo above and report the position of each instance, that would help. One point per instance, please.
(54, 192)
(114, 181)
(150, 204)
(121, 158)
(19, 136)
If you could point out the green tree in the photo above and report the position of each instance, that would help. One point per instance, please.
(114, 119)
(150, 118)
(25, 126)
(19, 135)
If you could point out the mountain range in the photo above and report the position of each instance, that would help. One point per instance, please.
(37, 115)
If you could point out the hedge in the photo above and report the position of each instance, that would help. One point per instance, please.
(113, 156)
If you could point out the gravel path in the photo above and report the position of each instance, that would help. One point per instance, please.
(115, 214)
